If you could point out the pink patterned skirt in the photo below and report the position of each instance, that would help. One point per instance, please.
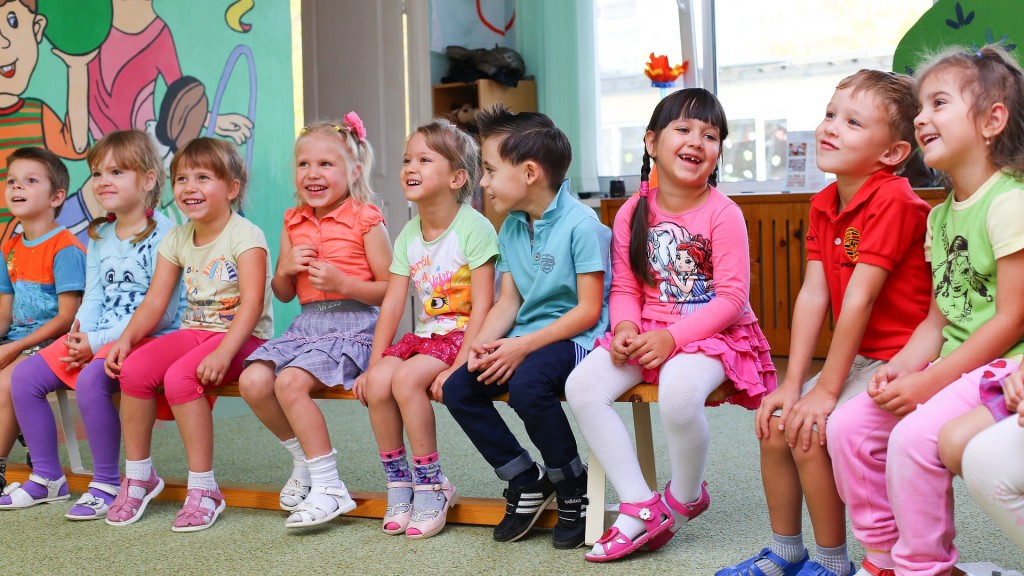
(743, 351)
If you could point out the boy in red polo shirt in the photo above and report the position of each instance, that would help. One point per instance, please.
(865, 258)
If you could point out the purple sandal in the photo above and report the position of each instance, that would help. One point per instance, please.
(653, 513)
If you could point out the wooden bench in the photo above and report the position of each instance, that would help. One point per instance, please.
(481, 511)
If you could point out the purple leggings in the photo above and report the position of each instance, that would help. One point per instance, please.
(32, 381)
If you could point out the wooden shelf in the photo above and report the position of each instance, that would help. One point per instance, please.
(483, 94)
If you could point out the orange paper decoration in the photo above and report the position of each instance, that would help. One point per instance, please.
(659, 70)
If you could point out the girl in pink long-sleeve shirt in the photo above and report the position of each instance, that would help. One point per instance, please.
(680, 318)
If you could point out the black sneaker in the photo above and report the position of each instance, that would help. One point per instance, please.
(572, 519)
(523, 506)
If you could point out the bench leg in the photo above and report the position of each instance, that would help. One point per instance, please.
(645, 443)
(596, 510)
(67, 422)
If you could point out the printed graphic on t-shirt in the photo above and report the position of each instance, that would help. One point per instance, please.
(681, 262)
(851, 243)
(445, 293)
(212, 294)
(957, 279)
(125, 281)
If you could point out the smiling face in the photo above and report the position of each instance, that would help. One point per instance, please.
(321, 174)
(29, 193)
(945, 129)
(426, 173)
(119, 189)
(506, 184)
(21, 32)
(854, 135)
(202, 196)
(686, 152)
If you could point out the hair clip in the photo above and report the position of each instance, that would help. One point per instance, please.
(111, 217)
(149, 212)
(355, 125)
(979, 54)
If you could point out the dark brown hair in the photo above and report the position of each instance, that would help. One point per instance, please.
(56, 171)
(528, 136)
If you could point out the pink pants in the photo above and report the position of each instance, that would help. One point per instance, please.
(172, 360)
(888, 473)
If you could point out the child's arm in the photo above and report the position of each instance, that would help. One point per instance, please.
(6, 312)
(252, 276)
(326, 277)
(504, 355)
(291, 261)
(865, 285)
(81, 345)
(56, 327)
(391, 310)
(992, 339)
(809, 314)
(165, 285)
(481, 294)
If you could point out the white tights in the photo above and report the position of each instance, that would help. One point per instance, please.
(994, 473)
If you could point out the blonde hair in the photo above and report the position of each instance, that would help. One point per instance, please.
(217, 156)
(132, 150)
(458, 148)
(989, 76)
(352, 150)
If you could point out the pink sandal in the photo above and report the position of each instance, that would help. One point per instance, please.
(397, 517)
(425, 524)
(193, 516)
(653, 513)
(688, 511)
(125, 510)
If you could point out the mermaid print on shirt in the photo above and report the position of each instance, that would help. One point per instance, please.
(681, 262)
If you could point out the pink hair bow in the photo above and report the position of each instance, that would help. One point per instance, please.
(355, 124)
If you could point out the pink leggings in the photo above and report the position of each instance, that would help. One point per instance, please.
(888, 473)
(172, 360)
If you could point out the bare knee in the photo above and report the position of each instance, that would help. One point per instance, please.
(408, 386)
(815, 453)
(293, 385)
(775, 446)
(378, 387)
(256, 384)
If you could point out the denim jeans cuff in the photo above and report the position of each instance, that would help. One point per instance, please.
(574, 469)
(517, 466)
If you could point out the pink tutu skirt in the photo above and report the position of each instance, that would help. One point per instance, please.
(743, 351)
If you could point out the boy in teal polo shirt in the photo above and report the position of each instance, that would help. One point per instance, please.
(553, 304)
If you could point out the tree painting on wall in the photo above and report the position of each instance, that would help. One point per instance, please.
(971, 23)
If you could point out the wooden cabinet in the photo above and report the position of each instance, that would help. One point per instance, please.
(484, 94)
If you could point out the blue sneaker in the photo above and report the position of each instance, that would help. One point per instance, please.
(749, 568)
(812, 568)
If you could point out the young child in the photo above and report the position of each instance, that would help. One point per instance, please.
(877, 284)
(42, 283)
(884, 444)
(446, 253)
(334, 256)
(679, 308)
(552, 306)
(223, 258)
(127, 175)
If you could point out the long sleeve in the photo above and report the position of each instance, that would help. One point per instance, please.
(627, 294)
(91, 310)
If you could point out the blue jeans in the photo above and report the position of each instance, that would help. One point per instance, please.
(535, 391)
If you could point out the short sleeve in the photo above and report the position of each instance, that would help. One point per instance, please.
(501, 265)
(246, 237)
(591, 245)
(369, 216)
(477, 238)
(5, 279)
(894, 225)
(928, 233)
(170, 246)
(69, 270)
(1005, 225)
(400, 260)
(812, 243)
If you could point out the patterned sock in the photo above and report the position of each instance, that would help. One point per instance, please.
(789, 548)
(203, 481)
(300, 471)
(880, 558)
(323, 471)
(396, 469)
(138, 470)
(427, 470)
(835, 559)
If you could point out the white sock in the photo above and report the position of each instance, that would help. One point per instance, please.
(138, 470)
(203, 481)
(323, 471)
(300, 471)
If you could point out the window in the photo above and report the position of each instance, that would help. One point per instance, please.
(777, 64)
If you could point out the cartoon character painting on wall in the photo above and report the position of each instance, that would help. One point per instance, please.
(116, 51)
(682, 265)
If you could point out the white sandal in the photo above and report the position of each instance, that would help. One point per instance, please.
(98, 506)
(309, 514)
(293, 494)
(22, 499)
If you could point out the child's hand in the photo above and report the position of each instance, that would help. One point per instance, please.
(213, 368)
(359, 388)
(783, 397)
(904, 394)
(79, 350)
(325, 277)
(651, 349)
(1013, 389)
(8, 353)
(620, 343)
(810, 411)
(298, 259)
(883, 375)
(506, 355)
(437, 387)
(479, 356)
(115, 357)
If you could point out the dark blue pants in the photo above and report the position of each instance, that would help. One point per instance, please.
(534, 392)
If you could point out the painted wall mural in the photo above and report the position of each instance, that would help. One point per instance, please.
(74, 70)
